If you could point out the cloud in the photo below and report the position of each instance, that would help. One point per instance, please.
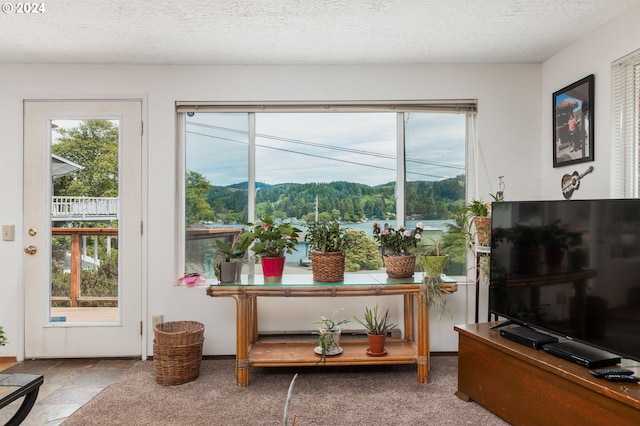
(321, 147)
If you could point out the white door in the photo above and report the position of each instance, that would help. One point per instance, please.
(82, 228)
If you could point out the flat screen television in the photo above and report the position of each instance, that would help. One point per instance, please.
(569, 267)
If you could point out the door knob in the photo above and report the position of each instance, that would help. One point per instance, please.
(30, 250)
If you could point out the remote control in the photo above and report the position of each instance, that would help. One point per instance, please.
(604, 371)
(621, 378)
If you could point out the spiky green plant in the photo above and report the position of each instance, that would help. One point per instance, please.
(374, 322)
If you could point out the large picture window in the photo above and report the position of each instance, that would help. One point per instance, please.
(357, 166)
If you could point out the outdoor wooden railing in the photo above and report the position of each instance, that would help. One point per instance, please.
(76, 234)
(76, 262)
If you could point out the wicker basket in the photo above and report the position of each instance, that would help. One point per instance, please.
(177, 352)
(328, 267)
(400, 266)
(177, 333)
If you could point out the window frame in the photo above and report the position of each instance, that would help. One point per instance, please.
(461, 106)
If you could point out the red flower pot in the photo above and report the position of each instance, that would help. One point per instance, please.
(272, 269)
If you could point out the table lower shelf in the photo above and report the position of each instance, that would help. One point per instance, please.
(289, 353)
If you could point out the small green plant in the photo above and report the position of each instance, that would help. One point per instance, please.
(428, 249)
(3, 339)
(432, 261)
(329, 334)
(374, 322)
(329, 238)
(237, 250)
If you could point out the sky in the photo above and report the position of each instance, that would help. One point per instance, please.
(324, 147)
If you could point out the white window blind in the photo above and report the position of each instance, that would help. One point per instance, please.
(625, 138)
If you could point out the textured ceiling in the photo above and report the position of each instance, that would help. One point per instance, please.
(298, 31)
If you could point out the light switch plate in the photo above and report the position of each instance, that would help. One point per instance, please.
(8, 232)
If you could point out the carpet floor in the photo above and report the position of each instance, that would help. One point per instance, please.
(381, 395)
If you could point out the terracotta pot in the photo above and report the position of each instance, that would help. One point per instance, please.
(272, 269)
(376, 344)
(483, 230)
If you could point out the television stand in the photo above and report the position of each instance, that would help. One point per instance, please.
(527, 386)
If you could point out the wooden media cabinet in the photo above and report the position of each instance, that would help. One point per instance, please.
(526, 386)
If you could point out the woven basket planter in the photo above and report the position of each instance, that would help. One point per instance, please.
(177, 352)
(400, 266)
(327, 267)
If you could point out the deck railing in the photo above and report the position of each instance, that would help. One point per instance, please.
(84, 208)
(76, 262)
(75, 296)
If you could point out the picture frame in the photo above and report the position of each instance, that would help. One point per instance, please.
(573, 123)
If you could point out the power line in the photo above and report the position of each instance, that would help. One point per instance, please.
(317, 156)
(332, 147)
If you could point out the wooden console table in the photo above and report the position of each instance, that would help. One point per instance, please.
(525, 386)
(252, 352)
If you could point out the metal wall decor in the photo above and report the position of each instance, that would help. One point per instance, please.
(571, 182)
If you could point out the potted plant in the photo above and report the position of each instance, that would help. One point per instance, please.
(329, 333)
(396, 246)
(431, 258)
(476, 216)
(433, 262)
(229, 268)
(377, 326)
(271, 243)
(328, 244)
(3, 339)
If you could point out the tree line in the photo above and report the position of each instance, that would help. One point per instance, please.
(345, 201)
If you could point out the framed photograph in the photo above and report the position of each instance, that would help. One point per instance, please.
(573, 123)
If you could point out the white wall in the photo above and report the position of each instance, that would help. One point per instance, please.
(508, 130)
(592, 54)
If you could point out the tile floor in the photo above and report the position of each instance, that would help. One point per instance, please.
(68, 384)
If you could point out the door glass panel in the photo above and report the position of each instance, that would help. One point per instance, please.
(84, 221)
